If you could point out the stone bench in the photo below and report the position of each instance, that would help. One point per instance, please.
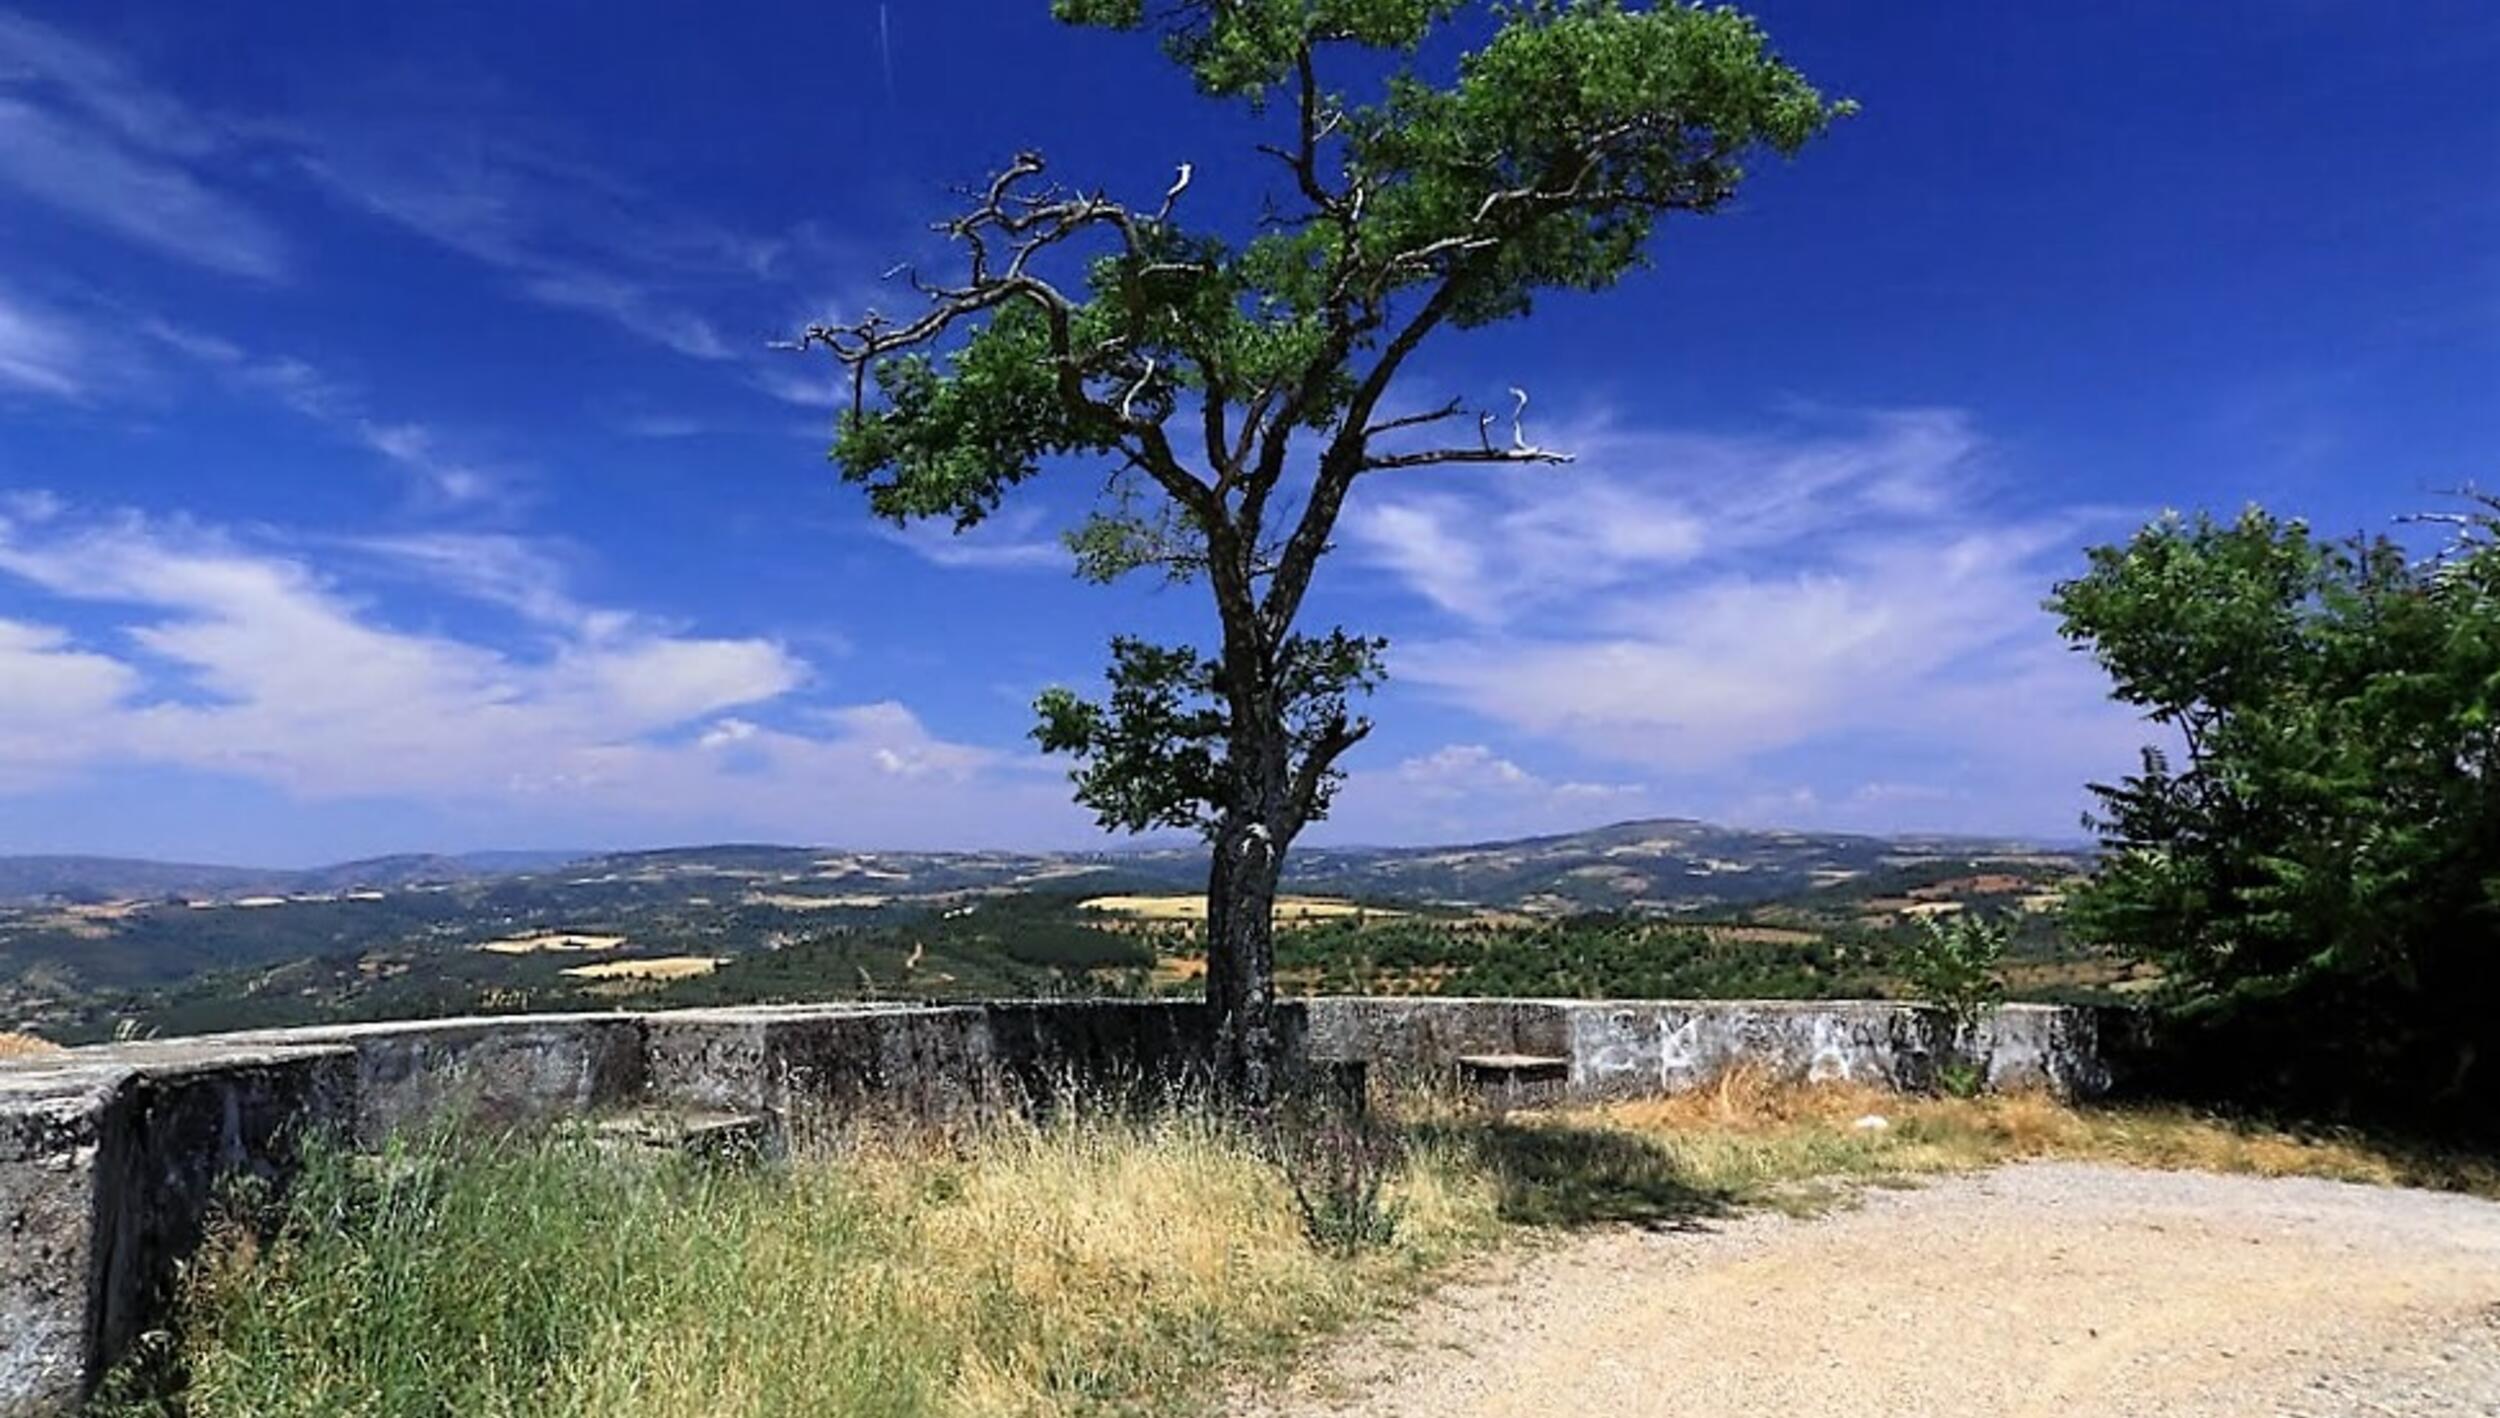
(1515, 1080)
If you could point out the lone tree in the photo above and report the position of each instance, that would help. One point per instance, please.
(1236, 387)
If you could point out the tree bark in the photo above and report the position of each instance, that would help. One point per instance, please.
(1241, 961)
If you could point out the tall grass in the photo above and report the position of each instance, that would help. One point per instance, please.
(1085, 1265)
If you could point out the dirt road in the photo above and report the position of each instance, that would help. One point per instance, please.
(2057, 1290)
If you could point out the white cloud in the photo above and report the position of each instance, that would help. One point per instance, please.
(55, 695)
(524, 575)
(413, 447)
(630, 307)
(810, 385)
(1641, 503)
(237, 659)
(1700, 606)
(39, 352)
(1465, 791)
(1011, 540)
(84, 133)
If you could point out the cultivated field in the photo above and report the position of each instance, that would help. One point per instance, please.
(1193, 909)
(658, 968)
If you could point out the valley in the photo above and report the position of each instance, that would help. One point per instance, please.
(93, 947)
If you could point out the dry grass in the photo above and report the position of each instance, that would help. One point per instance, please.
(1082, 1267)
(25, 1046)
(1744, 1135)
(1087, 1266)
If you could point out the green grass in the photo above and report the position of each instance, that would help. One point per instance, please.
(1091, 1266)
(1084, 1266)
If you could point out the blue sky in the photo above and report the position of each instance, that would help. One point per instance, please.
(391, 456)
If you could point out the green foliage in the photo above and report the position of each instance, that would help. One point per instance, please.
(1583, 957)
(1155, 754)
(1195, 368)
(1952, 963)
(956, 433)
(2320, 860)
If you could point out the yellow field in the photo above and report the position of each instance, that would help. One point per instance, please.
(1760, 935)
(1194, 908)
(25, 1046)
(553, 942)
(665, 967)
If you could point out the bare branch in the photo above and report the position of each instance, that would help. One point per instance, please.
(1179, 185)
(1452, 409)
(1128, 400)
(1302, 797)
(1432, 456)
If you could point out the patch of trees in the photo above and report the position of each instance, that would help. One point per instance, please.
(2314, 860)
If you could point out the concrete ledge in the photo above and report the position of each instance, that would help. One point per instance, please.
(109, 1163)
(1630, 1048)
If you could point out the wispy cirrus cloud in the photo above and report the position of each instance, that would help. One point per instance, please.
(1014, 539)
(566, 234)
(40, 352)
(83, 132)
(441, 477)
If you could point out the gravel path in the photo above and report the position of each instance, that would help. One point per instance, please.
(2047, 1289)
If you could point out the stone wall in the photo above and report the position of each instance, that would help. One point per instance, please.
(110, 1156)
(107, 1170)
(1630, 1048)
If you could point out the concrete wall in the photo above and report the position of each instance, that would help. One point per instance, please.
(1630, 1048)
(931, 1063)
(108, 1168)
(500, 1070)
(111, 1156)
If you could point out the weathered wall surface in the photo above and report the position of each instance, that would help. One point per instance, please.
(109, 1157)
(109, 1162)
(932, 1063)
(52, 1134)
(499, 1069)
(1399, 1036)
(1620, 1048)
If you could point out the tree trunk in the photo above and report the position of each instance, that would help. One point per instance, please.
(1241, 961)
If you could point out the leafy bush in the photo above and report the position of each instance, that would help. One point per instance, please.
(1952, 962)
(2315, 863)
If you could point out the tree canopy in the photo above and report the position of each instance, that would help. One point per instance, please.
(2317, 864)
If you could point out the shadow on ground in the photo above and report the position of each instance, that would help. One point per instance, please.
(1560, 1176)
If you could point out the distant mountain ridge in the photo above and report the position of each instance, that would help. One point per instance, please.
(92, 878)
(1652, 865)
